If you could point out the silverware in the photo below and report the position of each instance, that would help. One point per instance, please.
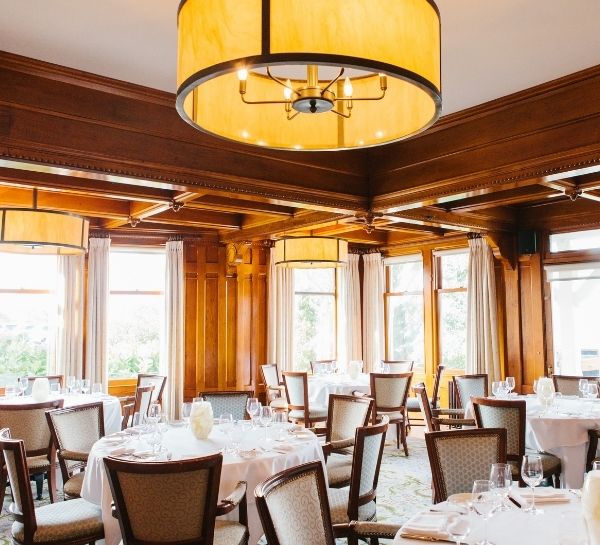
(431, 539)
(510, 498)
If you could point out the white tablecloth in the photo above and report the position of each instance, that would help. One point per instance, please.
(515, 527)
(183, 444)
(111, 406)
(563, 431)
(321, 386)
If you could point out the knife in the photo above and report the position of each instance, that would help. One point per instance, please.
(515, 502)
(431, 539)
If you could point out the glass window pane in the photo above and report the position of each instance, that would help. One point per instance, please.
(137, 271)
(24, 332)
(453, 329)
(581, 240)
(575, 337)
(134, 327)
(24, 271)
(406, 276)
(454, 270)
(314, 280)
(405, 328)
(314, 329)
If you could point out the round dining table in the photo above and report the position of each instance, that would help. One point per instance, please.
(110, 404)
(262, 460)
(321, 386)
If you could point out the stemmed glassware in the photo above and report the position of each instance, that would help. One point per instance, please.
(501, 477)
(266, 417)
(485, 503)
(226, 423)
(97, 388)
(533, 474)
(280, 419)
(510, 384)
(583, 384)
(23, 385)
(253, 408)
(70, 384)
(85, 385)
(186, 411)
(137, 424)
(592, 390)
(458, 528)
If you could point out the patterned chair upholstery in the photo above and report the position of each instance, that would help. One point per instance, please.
(28, 423)
(434, 418)
(52, 379)
(399, 366)
(346, 414)
(228, 402)
(357, 502)
(275, 388)
(459, 457)
(294, 510)
(141, 404)
(74, 522)
(468, 386)
(74, 431)
(158, 381)
(511, 415)
(569, 385)
(175, 502)
(296, 391)
(390, 392)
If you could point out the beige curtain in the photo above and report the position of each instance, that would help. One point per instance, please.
(96, 357)
(173, 361)
(373, 320)
(68, 354)
(280, 304)
(483, 354)
(351, 320)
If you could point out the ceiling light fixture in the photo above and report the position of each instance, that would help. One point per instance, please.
(330, 75)
(34, 231)
(311, 252)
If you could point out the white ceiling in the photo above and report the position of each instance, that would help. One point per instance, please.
(490, 48)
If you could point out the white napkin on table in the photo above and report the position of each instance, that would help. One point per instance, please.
(542, 495)
(432, 525)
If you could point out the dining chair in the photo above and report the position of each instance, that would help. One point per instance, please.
(511, 415)
(468, 386)
(568, 384)
(28, 423)
(459, 457)
(412, 403)
(317, 365)
(275, 388)
(357, 502)
(229, 402)
(399, 366)
(296, 391)
(175, 502)
(74, 431)
(345, 414)
(158, 381)
(390, 392)
(52, 379)
(593, 436)
(277, 501)
(74, 522)
(141, 404)
(434, 418)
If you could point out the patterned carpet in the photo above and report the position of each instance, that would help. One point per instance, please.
(404, 486)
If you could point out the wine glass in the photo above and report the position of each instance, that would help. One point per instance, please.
(85, 385)
(137, 423)
(252, 407)
(226, 423)
(386, 368)
(458, 528)
(592, 390)
(334, 367)
(97, 388)
(70, 383)
(501, 477)
(280, 419)
(496, 388)
(186, 411)
(485, 503)
(77, 388)
(533, 474)
(510, 383)
(266, 417)
(55, 388)
(23, 385)
(583, 384)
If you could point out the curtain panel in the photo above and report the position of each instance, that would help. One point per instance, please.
(68, 346)
(97, 311)
(483, 355)
(353, 320)
(373, 318)
(173, 360)
(280, 305)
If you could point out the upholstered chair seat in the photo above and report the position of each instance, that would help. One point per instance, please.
(412, 404)
(339, 470)
(72, 487)
(338, 503)
(230, 533)
(279, 403)
(314, 412)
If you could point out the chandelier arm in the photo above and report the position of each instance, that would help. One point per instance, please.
(341, 99)
(346, 116)
(290, 117)
(277, 80)
(264, 101)
(333, 80)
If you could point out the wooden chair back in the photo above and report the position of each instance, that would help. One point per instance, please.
(158, 381)
(270, 376)
(143, 399)
(399, 366)
(435, 398)
(390, 391)
(346, 413)
(423, 400)
(468, 386)
(569, 384)
(296, 390)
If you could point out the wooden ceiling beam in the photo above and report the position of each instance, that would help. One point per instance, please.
(194, 218)
(240, 206)
(450, 220)
(500, 198)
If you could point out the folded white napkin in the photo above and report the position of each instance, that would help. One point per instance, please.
(432, 525)
(542, 495)
(123, 451)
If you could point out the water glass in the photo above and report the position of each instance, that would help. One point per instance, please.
(77, 388)
(85, 385)
(583, 384)
(186, 411)
(510, 383)
(237, 433)
(458, 528)
(55, 388)
(252, 407)
(154, 412)
(496, 386)
(501, 477)
(70, 383)
(23, 385)
(10, 390)
(280, 421)
(533, 474)
(226, 423)
(485, 503)
(137, 423)
(592, 390)
(97, 388)
(266, 417)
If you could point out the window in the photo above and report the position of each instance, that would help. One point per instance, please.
(580, 240)
(404, 309)
(452, 268)
(575, 297)
(135, 311)
(27, 310)
(314, 316)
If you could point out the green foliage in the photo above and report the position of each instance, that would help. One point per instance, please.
(407, 328)
(20, 356)
(305, 329)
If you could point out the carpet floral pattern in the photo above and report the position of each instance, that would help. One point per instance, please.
(404, 486)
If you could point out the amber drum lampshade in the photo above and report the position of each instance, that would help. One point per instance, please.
(311, 252)
(309, 74)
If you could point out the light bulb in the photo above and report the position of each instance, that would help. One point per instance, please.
(348, 88)
(287, 91)
(243, 74)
